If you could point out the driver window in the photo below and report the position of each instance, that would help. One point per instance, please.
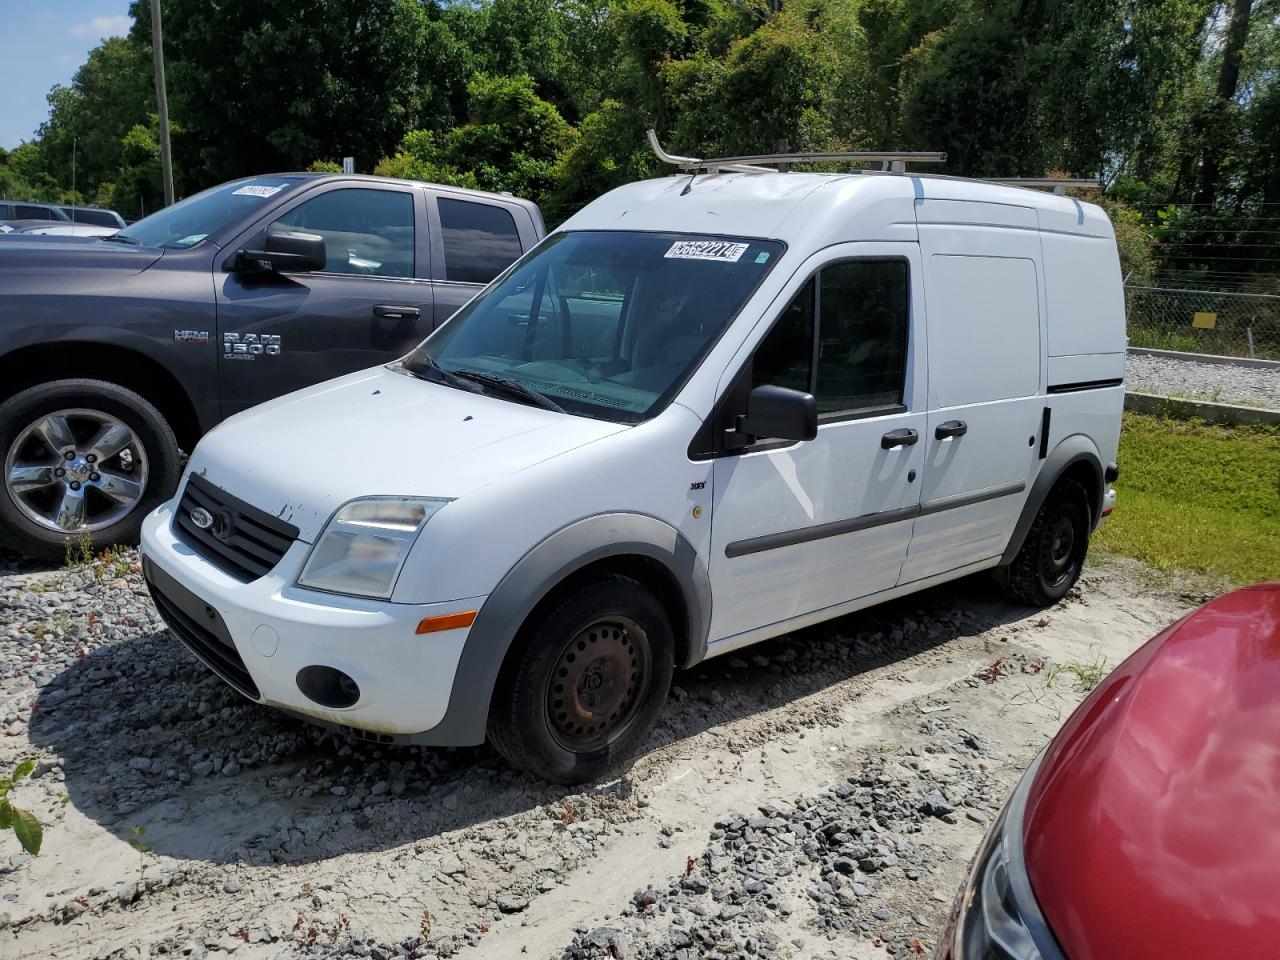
(862, 318)
(366, 232)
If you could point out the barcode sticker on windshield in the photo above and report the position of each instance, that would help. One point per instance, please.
(707, 250)
(256, 190)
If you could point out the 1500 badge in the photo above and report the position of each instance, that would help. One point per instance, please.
(246, 346)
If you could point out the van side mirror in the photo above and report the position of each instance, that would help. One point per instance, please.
(284, 250)
(779, 413)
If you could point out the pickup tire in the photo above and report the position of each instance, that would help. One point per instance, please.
(83, 463)
(1052, 556)
(586, 682)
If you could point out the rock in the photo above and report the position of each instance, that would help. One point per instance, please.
(231, 886)
(142, 764)
(512, 903)
(936, 804)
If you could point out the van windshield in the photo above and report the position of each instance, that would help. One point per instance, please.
(607, 324)
(187, 222)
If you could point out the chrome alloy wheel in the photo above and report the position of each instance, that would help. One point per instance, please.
(76, 470)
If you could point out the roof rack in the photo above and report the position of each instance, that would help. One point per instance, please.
(1059, 186)
(894, 162)
(891, 163)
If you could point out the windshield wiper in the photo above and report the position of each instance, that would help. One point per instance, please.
(511, 387)
(117, 238)
(421, 364)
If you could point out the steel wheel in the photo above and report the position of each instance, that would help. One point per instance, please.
(1059, 559)
(76, 469)
(592, 692)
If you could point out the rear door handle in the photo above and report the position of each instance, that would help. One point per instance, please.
(952, 428)
(898, 438)
(389, 311)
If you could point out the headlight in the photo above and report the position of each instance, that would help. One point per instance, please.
(996, 916)
(364, 545)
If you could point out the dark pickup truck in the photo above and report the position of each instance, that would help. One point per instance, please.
(117, 353)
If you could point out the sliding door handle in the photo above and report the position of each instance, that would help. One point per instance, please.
(952, 428)
(898, 438)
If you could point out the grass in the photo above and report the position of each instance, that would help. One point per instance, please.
(1196, 496)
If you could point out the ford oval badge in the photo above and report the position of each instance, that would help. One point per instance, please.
(202, 518)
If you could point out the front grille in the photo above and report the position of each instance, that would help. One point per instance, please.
(200, 627)
(243, 541)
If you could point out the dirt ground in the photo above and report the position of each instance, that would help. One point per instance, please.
(183, 820)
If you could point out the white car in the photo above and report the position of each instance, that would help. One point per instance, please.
(707, 411)
(56, 228)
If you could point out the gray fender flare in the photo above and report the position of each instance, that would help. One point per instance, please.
(1070, 451)
(538, 572)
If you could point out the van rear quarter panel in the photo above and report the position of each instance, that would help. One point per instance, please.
(1086, 296)
(1086, 326)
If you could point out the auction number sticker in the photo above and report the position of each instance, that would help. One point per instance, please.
(256, 190)
(724, 250)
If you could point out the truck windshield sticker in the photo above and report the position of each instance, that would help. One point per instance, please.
(724, 250)
(256, 190)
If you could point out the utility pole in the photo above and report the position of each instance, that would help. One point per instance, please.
(162, 101)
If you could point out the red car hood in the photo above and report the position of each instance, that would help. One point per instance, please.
(1153, 827)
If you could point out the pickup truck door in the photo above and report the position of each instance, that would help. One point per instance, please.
(473, 239)
(373, 301)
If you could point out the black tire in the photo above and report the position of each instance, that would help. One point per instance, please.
(160, 457)
(1052, 556)
(552, 732)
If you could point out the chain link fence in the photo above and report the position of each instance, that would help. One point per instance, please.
(1204, 321)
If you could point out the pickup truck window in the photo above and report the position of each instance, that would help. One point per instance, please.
(480, 240)
(187, 222)
(607, 324)
(35, 213)
(367, 232)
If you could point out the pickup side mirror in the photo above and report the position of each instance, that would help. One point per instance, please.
(779, 413)
(284, 250)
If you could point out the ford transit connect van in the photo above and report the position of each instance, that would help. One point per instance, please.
(706, 411)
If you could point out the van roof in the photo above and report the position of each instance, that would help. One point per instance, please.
(815, 210)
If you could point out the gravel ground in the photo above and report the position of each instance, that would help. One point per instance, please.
(1219, 382)
(815, 796)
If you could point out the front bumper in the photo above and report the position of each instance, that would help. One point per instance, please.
(257, 636)
(996, 915)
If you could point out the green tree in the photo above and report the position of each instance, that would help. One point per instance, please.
(88, 119)
(263, 85)
(511, 141)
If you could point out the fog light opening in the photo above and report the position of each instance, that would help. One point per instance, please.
(328, 687)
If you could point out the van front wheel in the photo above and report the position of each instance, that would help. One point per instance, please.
(1052, 556)
(587, 682)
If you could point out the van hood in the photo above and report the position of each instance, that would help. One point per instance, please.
(28, 254)
(379, 432)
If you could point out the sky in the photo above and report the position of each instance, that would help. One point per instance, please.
(45, 43)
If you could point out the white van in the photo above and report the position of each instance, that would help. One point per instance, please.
(708, 410)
